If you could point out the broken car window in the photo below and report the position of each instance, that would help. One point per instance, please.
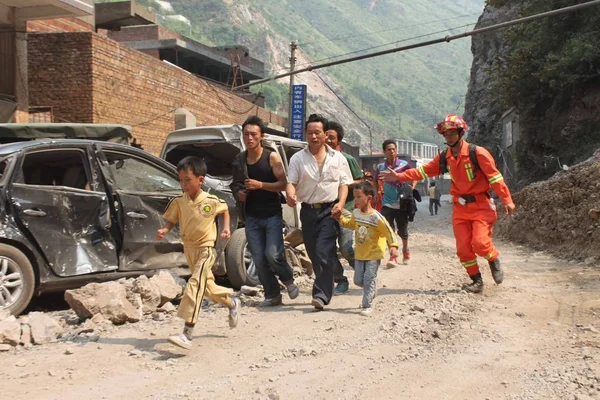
(62, 167)
(218, 156)
(133, 174)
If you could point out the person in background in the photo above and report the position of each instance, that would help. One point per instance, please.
(395, 209)
(434, 198)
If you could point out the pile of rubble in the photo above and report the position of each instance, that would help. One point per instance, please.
(96, 306)
(560, 215)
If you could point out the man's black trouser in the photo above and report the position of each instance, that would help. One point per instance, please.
(399, 217)
(433, 203)
(320, 233)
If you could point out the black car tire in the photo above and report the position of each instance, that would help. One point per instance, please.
(234, 258)
(12, 254)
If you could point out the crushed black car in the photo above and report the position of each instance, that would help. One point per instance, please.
(75, 211)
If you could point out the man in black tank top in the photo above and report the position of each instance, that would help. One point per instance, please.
(260, 195)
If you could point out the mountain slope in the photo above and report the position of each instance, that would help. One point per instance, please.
(399, 95)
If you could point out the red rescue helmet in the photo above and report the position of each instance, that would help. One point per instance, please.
(451, 121)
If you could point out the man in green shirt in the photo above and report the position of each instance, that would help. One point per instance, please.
(335, 135)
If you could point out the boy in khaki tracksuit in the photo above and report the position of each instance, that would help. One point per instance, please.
(196, 212)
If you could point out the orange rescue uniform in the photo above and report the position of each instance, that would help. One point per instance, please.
(472, 221)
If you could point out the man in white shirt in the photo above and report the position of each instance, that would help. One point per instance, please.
(318, 177)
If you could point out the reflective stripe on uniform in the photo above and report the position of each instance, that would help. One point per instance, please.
(422, 172)
(468, 264)
(470, 174)
(496, 178)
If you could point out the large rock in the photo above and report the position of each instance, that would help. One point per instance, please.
(109, 299)
(44, 329)
(169, 289)
(149, 292)
(10, 331)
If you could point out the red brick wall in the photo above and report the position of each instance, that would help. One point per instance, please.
(60, 74)
(58, 25)
(128, 87)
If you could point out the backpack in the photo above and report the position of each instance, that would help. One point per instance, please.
(472, 157)
(406, 200)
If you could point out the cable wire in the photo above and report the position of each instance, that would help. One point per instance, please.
(376, 47)
(445, 39)
(386, 30)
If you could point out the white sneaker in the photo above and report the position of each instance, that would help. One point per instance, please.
(392, 263)
(234, 312)
(367, 312)
(181, 340)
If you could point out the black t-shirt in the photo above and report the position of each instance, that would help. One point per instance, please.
(261, 203)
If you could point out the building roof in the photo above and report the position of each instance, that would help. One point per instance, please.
(46, 9)
(204, 54)
(113, 16)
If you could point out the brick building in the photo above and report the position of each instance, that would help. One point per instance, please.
(15, 15)
(86, 77)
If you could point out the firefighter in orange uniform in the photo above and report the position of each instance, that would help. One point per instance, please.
(474, 173)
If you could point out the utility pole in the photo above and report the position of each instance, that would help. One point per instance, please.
(293, 47)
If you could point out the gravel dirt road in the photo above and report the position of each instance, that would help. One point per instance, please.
(537, 336)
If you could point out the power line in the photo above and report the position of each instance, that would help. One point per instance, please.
(340, 99)
(381, 45)
(351, 110)
(386, 30)
(431, 42)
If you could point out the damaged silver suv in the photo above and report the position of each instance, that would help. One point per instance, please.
(219, 146)
(75, 211)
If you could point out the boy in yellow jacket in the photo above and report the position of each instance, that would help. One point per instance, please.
(372, 231)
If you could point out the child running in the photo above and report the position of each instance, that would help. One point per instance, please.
(196, 212)
(372, 231)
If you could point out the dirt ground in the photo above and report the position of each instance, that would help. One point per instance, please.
(534, 337)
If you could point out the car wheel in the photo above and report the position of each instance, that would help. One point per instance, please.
(251, 272)
(17, 280)
(241, 270)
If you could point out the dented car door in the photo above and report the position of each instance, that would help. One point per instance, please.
(65, 212)
(142, 189)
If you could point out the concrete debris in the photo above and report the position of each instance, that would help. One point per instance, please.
(44, 329)
(250, 291)
(167, 286)
(168, 307)
(25, 335)
(108, 299)
(10, 331)
(98, 319)
(149, 292)
(4, 314)
(158, 316)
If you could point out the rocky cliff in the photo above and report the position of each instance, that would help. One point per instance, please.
(549, 72)
(482, 108)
